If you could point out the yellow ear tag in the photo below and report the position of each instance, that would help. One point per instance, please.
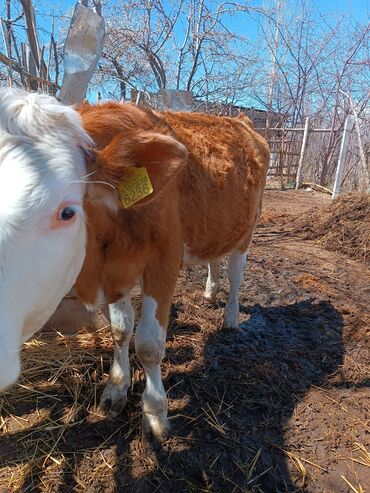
(135, 187)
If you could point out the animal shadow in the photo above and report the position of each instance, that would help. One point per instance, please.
(230, 434)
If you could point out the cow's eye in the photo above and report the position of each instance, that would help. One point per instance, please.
(67, 214)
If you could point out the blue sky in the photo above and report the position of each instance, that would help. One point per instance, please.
(330, 9)
(325, 12)
(358, 9)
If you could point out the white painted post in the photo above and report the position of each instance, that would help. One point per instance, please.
(303, 152)
(348, 125)
(138, 98)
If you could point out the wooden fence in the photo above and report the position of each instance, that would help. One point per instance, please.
(288, 147)
(293, 150)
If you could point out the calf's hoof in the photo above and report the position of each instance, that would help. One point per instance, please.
(113, 401)
(156, 425)
(231, 317)
(210, 297)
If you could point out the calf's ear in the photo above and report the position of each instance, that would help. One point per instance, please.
(162, 157)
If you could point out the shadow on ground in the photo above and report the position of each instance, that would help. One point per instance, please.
(229, 408)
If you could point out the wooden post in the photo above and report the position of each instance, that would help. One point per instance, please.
(8, 51)
(303, 152)
(348, 125)
(281, 160)
(138, 98)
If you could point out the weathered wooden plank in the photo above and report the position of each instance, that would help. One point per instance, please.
(82, 51)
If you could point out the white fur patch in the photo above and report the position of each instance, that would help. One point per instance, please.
(100, 299)
(41, 167)
(151, 334)
(99, 302)
(236, 268)
(212, 284)
(9, 351)
(122, 317)
(40, 117)
(149, 330)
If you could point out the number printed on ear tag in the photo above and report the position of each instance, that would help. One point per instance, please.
(135, 187)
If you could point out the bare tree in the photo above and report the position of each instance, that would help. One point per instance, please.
(183, 45)
(25, 56)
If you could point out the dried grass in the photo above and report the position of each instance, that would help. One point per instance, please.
(364, 455)
(57, 393)
(358, 489)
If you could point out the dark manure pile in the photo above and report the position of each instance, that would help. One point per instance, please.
(343, 227)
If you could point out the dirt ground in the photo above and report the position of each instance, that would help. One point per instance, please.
(280, 405)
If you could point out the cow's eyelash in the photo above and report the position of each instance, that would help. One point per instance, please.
(94, 182)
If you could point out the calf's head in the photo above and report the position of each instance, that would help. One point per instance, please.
(42, 227)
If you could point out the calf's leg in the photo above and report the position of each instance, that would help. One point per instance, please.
(150, 340)
(158, 287)
(212, 284)
(114, 397)
(236, 267)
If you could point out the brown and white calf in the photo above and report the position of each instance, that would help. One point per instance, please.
(208, 175)
(200, 201)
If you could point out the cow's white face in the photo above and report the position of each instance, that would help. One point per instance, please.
(42, 230)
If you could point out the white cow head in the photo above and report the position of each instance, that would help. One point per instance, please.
(42, 227)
